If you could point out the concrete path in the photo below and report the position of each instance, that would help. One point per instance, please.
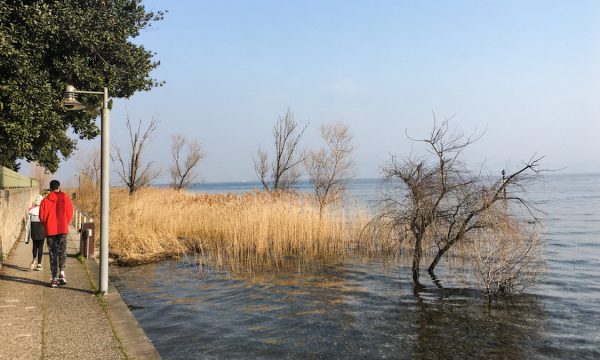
(68, 322)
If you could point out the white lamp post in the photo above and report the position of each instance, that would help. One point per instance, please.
(69, 102)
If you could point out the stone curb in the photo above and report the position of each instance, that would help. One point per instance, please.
(129, 332)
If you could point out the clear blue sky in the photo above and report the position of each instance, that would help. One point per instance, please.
(526, 71)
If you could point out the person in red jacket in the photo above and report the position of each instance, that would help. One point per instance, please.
(56, 212)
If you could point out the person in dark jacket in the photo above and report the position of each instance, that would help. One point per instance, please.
(56, 212)
(35, 231)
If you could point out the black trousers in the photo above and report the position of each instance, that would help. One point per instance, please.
(38, 250)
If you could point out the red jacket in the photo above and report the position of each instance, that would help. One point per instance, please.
(56, 212)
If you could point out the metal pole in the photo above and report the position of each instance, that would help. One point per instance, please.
(104, 194)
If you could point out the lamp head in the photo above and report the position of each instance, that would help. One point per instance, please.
(69, 102)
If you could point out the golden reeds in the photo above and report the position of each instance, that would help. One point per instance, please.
(249, 230)
(261, 231)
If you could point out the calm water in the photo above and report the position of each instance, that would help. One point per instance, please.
(368, 310)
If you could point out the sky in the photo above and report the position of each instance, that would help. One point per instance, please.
(526, 73)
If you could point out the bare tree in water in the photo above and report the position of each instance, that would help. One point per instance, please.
(182, 169)
(129, 165)
(436, 201)
(330, 168)
(283, 171)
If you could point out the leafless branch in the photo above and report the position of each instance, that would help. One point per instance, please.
(129, 166)
(330, 168)
(283, 173)
(182, 169)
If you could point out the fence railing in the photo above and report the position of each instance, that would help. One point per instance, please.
(12, 179)
(84, 223)
(80, 217)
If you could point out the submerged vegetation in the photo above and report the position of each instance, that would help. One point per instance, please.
(433, 208)
(246, 233)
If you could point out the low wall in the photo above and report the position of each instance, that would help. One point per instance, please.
(13, 206)
(11, 179)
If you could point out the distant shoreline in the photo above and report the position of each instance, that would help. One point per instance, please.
(305, 183)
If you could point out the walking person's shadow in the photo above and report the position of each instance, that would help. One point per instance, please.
(24, 280)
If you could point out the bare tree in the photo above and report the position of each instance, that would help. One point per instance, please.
(183, 167)
(330, 168)
(40, 174)
(283, 172)
(89, 175)
(129, 166)
(88, 167)
(440, 201)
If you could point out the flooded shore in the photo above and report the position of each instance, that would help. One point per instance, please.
(357, 309)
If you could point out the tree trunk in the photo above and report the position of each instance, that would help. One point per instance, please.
(438, 257)
(417, 259)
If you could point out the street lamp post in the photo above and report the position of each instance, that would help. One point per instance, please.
(70, 103)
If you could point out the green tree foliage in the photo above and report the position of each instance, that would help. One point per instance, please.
(45, 45)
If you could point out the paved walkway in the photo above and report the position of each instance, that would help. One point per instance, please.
(69, 322)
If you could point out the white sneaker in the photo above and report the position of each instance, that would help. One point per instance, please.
(39, 267)
(33, 265)
(62, 280)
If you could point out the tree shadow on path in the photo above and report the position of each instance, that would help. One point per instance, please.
(16, 267)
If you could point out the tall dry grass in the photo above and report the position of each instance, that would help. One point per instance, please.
(261, 231)
(245, 231)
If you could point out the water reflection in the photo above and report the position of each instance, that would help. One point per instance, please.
(350, 310)
(460, 325)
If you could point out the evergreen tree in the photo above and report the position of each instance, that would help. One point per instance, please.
(45, 45)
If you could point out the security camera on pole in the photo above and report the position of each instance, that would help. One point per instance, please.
(70, 103)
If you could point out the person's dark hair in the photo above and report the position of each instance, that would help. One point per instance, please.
(54, 185)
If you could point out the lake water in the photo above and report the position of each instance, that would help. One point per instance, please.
(367, 310)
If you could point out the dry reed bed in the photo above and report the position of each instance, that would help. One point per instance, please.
(248, 230)
(258, 231)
